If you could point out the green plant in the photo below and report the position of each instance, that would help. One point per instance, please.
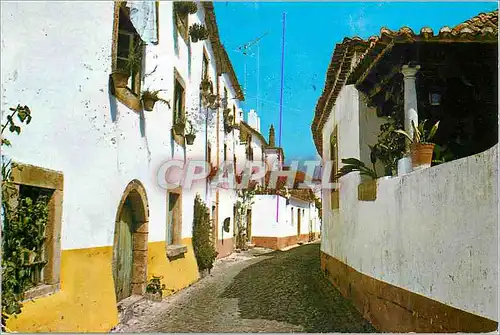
(186, 7)
(203, 246)
(353, 165)
(442, 155)
(228, 120)
(190, 128)
(206, 85)
(24, 222)
(420, 134)
(390, 146)
(154, 95)
(244, 202)
(155, 286)
(198, 32)
(134, 61)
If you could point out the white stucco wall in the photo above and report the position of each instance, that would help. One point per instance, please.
(433, 232)
(264, 216)
(59, 65)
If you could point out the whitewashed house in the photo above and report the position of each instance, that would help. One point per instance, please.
(416, 251)
(100, 154)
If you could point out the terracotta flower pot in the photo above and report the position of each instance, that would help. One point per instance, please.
(120, 78)
(421, 154)
(149, 104)
(190, 138)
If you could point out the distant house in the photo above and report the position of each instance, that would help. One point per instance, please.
(416, 250)
(277, 218)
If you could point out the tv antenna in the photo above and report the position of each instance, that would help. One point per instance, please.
(245, 50)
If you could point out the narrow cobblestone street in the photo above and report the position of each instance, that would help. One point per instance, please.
(282, 291)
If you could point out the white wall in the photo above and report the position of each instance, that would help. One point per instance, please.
(433, 232)
(59, 65)
(264, 216)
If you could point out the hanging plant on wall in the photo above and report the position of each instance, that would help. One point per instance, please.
(191, 134)
(179, 125)
(198, 32)
(185, 7)
(149, 98)
(228, 120)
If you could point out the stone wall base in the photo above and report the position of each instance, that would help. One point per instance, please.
(225, 247)
(393, 309)
(278, 243)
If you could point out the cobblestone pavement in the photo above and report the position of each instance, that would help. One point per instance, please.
(281, 291)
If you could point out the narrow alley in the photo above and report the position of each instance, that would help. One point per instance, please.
(280, 291)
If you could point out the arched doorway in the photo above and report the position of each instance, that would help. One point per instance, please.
(130, 246)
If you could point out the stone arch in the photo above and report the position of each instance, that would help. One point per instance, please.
(135, 197)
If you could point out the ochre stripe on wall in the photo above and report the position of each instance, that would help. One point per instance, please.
(393, 309)
(86, 301)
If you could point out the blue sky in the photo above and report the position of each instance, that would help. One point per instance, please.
(312, 30)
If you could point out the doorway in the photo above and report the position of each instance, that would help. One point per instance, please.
(131, 242)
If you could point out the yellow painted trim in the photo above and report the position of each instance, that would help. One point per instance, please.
(176, 274)
(86, 301)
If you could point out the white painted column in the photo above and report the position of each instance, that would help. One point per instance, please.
(411, 111)
(410, 98)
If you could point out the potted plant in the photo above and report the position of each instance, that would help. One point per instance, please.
(154, 289)
(191, 135)
(186, 7)
(198, 32)
(228, 120)
(125, 69)
(206, 85)
(421, 148)
(179, 125)
(149, 98)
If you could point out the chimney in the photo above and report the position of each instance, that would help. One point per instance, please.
(272, 143)
(253, 120)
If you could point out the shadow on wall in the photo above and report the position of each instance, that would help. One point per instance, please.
(113, 109)
(290, 287)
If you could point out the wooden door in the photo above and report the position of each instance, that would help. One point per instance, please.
(124, 255)
(249, 225)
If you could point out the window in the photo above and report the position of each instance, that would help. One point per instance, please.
(43, 186)
(334, 195)
(225, 152)
(204, 68)
(234, 114)
(181, 19)
(174, 218)
(129, 50)
(179, 99)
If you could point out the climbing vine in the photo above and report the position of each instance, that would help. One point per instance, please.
(24, 222)
(203, 246)
(244, 202)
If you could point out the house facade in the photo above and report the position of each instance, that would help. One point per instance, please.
(101, 155)
(416, 250)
